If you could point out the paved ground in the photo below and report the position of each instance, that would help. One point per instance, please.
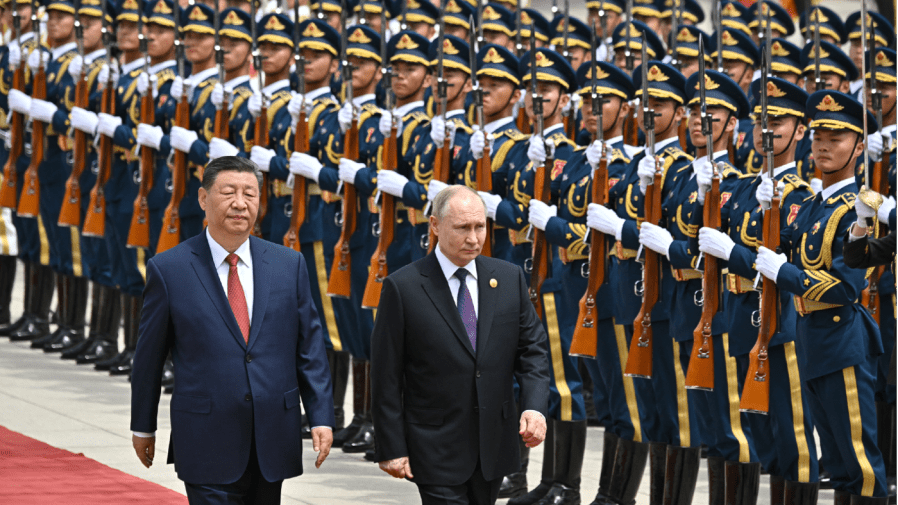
(80, 410)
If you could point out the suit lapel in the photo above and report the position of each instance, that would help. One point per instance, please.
(261, 287)
(205, 271)
(437, 290)
(484, 305)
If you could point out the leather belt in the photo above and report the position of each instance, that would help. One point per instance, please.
(804, 306)
(685, 274)
(739, 285)
(622, 253)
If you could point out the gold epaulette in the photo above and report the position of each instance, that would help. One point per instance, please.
(619, 155)
(461, 125)
(512, 133)
(676, 153)
(165, 75)
(368, 110)
(560, 138)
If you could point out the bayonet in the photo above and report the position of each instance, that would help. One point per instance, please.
(596, 98)
(706, 118)
(477, 91)
(386, 69)
(179, 42)
(566, 26)
(648, 114)
(298, 60)
(628, 53)
(534, 90)
(142, 40)
(219, 52)
(363, 20)
(603, 22)
(257, 56)
(864, 40)
(344, 60)
(480, 39)
(442, 85)
(319, 12)
(79, 31)
(818, 81)
(519, 15)
(674, 31)
(766, 134)
(403, 20)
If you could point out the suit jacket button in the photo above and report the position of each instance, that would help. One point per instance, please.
(477, 374)
(248, 398)
(249, 358)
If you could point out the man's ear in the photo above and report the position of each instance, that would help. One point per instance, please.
(201, 196)
(434, 223)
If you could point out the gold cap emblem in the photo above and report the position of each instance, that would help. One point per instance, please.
(448, 48)
(197, 15)
(490, 14)
(655, 74)
(492, 56)
(709, 83)
(526, 19)
(130, 5)
(542, 60)
(162, 8)
(774, 91)
(359, 37)
(686, 36)
(452, 7)
(233, 19)
(777, 49)
(730, 11)
(311, 30)
(406, 42)
(727, 38)
(829, 104)
(882, 60)
(818, 16)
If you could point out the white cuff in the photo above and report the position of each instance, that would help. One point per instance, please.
(144, 435)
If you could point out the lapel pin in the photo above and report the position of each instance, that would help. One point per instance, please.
(493, 283)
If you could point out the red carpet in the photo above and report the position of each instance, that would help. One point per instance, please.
(36, 473)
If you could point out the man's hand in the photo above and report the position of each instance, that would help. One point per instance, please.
(322, 439)
(399, 467)
(533, 428)
(145, 449)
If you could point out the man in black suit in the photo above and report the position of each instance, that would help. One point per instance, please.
(452, 332)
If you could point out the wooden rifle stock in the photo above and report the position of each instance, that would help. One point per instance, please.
(756, 392)
(17, 139)
(870, 297)
(700, 374)
(522, 123)
(95, 221)
(340, 281)
(681, 132)
(585, 339)
(171, 220)
(29, 200)
(485, 184)
(441, 173)
(70, 212)
(139, 232)
(378, 270)
(541, 260)
(631, 129)
(639, 362)
(260, 138)
(298, 213)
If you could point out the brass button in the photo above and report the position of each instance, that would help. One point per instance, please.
(836, 319)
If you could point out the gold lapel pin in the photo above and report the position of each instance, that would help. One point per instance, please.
(493, 283)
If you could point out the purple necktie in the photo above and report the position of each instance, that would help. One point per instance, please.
(466, 307)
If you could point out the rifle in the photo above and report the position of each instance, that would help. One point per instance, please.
(569, 118)
(443, 157)
(171, 220)
(139, 232)
(756, 392)
(70, 211)
(222, 128)
(674, 31)
(484, 173)
(639, 362)
(16, 130)
(540, 260)
(340, 281)
(378, 268)
(29, 200)
(585, 340)
(300, 145)
(631, 129)
(521, 121)
(260, 130)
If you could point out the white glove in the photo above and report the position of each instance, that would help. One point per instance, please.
(704, 172)
(19, 102)
(15, 55)
(181, 138)
(386, 123)
(646, 171)
(492, 203)
(816, 185)
(35, 58)
(864, 212)
(345, 117)
(219, 148)
(261, 157)
(391, 182)
(84, 120)
(149, 135)
(434, 188)
(438, 131)
(294, 107)
(715, 243)
(144, 81)
(348, 170)
(42, 110)
(177, 89)
(217, 96)
(540, 213)
(874, 146)
(655, 238)
(103, 76)
(769, 263)
(764, 193)
(537, 152)
(594, 154)
(305, 165)
(107, 124)
(75, 66)
(599, 217)
(478, 142)
(886, 208)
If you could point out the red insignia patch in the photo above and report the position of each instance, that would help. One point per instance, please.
(793, 213)
(456, 151)
(612, 182)
(162, 99)
(816, 227)
(741, 139)
(558, 168)
(724, 198)
(369, 134)
(693, 197)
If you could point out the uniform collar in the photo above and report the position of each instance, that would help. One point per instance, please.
(237, 81)
(456, 112)
(273, 88)
(59, 51)
(127, 68)
(778, 171)
(155, 69)
(405, 109)
(90, 58)
(551, 130)
(615, 140)
(315, 94)
(497, 124)
(195, 79)
(449, 268)
(835, 188)
(358, 101)
(664, 143)
(25, 37)
(219, 253)
(722, 154)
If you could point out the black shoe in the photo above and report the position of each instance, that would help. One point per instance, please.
(105, 364)
(40, 342)
(533, 496)
(513, 485)
(350, 431)
(78, 349)
(66, 340)
(43, 280)
(362, 441)
(560, 494)
(30, 273)
(124, 366)
(826, 479)
(99, 351)
(370, 455)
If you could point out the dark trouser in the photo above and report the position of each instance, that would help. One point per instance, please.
(476, 491)
(250, 489)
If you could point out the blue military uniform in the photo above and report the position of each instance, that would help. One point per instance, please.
(882, 31)
(737, 46)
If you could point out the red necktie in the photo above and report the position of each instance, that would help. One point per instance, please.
(237, 298)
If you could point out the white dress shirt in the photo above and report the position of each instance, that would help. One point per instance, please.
(244, 269)
(449, 270)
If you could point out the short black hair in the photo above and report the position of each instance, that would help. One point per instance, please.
(229, 164)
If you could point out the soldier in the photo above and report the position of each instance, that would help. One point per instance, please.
(735, 15)
(532, 19)
(628, 38)
(879, 29)
(328, 11)
(831, 27)
(578, 40)
(9, 248)
(781, 23)
(649, 13)
(740, 59)
(421, 16)
(498, 25)
(457, 17)
(612, 14)
(687, 50)
(783, 439)
(841, 338)
(372, 10)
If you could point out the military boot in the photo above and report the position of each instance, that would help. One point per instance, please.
(548, 470)
(339, 365)
(358, 403)
(629, 466)
(799, 493)
(124, 357)
(7, 329)
(515, 484)
(105, 345)
(77, 317)
(868, 500)
(743, 481)
(777, 490)
(41, 295)
(67, 336)
(570, 446)
(716, 480)
(364, 438)
(681, 474)
(609, 449)
(657, 471)
(7, 280)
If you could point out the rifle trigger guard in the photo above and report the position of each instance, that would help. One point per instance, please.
(338, 218)
(528, 265)
(288, 209)
(639, 288)
(135, 176)
(27, 149)
(424, 242)
(756, 318)
(70, 157)
(584, 270)
(169, 185)
(375, 229)
(699, 298)
(95, 167)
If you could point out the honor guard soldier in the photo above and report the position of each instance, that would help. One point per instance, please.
(627, 43)
(532, 19)
(605, 15)
(578, 40)
(740, 59)
(735, 15)
(687, 50)
(53, 171)
(692, 14)
(419, 16)
(841, 340)
(328, 11)
(831, 27)
(372, 14)
(498, 24)
(33, 249)
(549, 151)
(649, 12)
(781, 23)
(457, 18)
(783, 439)
(511, 5)
(882, 32)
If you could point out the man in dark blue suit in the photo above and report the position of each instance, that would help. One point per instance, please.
(237, 314)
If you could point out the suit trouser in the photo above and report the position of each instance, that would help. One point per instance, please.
(476, 491)
(844, 414)
(784, 438)
(250, 489)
